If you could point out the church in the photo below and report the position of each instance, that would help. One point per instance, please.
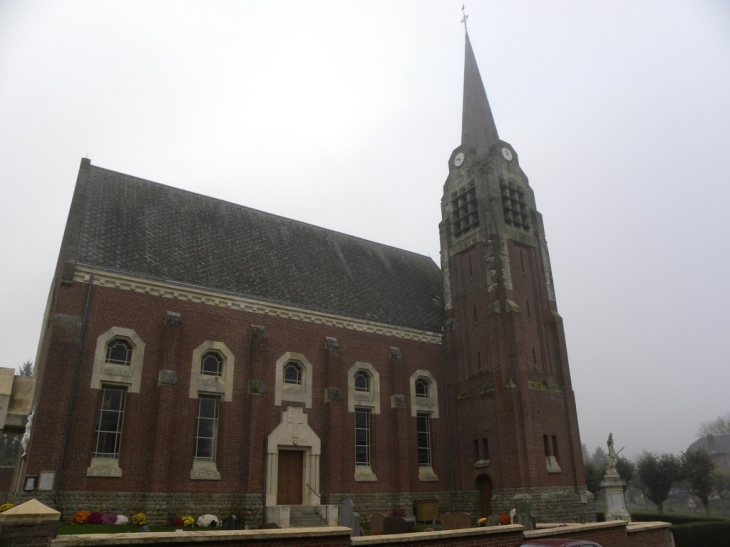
(199, 356)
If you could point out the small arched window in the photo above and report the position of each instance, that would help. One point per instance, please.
(119, 352)
(422, 387)
(293, 373)
(362, 381)
(211, 364)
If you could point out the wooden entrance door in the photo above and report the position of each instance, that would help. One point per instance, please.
(485, 487)
(289, 487)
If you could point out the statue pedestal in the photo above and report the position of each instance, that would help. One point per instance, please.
(613, 486)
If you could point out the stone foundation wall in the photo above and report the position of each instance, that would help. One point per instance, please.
(384, 503)
(548, 504)
(160, 508)
(552, 504)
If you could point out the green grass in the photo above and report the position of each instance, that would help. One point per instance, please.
(66, 529)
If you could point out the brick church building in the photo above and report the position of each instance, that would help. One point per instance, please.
(199, 356)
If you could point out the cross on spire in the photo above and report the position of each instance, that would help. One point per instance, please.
(463, 19)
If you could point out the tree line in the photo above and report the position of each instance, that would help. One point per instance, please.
(655, 475)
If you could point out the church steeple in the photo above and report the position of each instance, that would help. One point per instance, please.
(478, 129)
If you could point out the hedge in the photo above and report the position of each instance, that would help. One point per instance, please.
(702, 534)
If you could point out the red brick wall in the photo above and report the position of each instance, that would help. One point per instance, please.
(159, 422)
(486, 350)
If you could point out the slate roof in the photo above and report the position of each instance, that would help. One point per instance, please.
(150, 230)
(720, 444)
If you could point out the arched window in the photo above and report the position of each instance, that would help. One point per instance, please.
(293, 373)
(362, 381)
(211, 364)
(119, 352)
(422, 387)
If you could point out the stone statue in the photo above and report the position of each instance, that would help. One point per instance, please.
(612, 457)
(26, 436)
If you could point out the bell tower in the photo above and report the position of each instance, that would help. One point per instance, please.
(515, 427)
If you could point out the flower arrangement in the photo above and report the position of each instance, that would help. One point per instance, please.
(177, 521)
(108, 519)
(79, 517)
(399, 512)
(5, 506)
(208, 521)
(482, 521)
(139, 519)
(187, 520)
(121, 520)
(504, 519)
(93, 518)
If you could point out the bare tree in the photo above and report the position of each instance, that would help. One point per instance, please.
(718, 426)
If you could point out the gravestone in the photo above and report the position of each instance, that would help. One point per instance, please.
(397, 525)
(492, 520)
(523, 516)
(376, 524)
(230, 523)
(348, 517)
(455, 521)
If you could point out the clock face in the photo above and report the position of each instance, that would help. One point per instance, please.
(507, 153)
(459, 159)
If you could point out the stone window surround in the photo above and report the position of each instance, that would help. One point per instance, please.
(369, 400)
(428, 404)
(210, 385)
(365, 399)
(298, 393)
(206, 383)
(125, 375)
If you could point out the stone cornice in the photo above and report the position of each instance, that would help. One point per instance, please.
(201, 296)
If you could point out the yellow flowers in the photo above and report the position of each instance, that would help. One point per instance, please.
(139, 519)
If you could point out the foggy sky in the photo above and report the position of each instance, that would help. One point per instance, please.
(344, 115)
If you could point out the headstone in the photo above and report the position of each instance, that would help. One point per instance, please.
(455, 521)
(376, 524)
(492, 520)
(348, 517)
(347, 509)
(230, 523)
(397, 525)
(523, 515)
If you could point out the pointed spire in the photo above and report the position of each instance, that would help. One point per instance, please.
(477, 124)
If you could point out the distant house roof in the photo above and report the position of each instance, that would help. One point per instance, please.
(154, 231)
(719, 448)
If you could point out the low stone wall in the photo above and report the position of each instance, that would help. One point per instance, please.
(31, 524)
(495, 536)
(336, 536)
(615, 533)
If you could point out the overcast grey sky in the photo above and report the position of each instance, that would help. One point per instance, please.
(344, 114)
